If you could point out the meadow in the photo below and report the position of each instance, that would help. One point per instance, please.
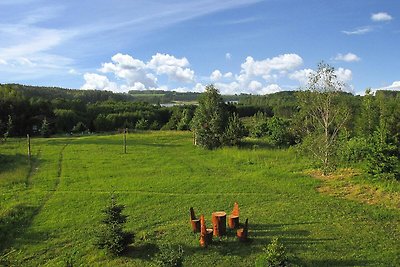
(50, 209)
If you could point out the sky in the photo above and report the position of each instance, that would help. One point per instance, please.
(240, 46)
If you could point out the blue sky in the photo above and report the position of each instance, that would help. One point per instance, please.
(253, 46)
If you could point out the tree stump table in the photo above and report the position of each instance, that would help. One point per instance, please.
(219, 223)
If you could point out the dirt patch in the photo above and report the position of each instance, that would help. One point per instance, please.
(340, 184)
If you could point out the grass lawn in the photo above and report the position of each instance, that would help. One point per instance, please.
(50, 209)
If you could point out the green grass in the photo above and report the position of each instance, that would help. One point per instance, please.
(50, 210)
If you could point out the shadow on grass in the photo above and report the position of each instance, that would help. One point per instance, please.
(11, 162)
(14, 223)
(145, 251)
(256, 144)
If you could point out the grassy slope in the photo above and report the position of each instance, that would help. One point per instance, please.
(158, 180)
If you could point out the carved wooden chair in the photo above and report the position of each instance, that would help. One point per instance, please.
(206, 235)
(233, 219)
(242, 233)
(194, 221)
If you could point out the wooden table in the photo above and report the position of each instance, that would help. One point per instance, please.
(219, 223)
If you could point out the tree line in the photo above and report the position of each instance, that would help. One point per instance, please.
(331, 126)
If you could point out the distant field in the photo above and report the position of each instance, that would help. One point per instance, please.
(50, 210)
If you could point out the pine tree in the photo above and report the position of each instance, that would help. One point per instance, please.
(210, 119)
(111, 235)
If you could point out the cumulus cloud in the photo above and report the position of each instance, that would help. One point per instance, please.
(344, 75)
(302, 76)
(394, 86)
(129, 69)
(264, 68)
(349, 57)
(174, 67)
(381, 16)
(98, 82)
(215, 75)
(228, 56)
(124, 73)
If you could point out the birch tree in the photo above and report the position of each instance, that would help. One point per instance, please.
(324, 116)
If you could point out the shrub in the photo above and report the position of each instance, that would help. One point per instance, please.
(142, 124)
(234, 131)
(111, 235)
(354, 150)
(274, 256)
(79, 127)
(169, 256)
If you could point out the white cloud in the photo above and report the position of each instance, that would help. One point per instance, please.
(271, 88)
(215, 75)
(171, 66)
(359, 31)
(344, 75)
(228, 75)
(228, 56)
(129, 69)
(3, 62)
(73, 72)
(349, 57)
(98, 82)
(263, 69)
(394, 86)
(302, 76)
(381, 16)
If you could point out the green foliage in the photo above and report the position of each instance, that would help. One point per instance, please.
(142, 124)
(259, 125)
(354, 150)
(279, 131)
(235, 131)
(169, 256)
(274, 255)
(44, 129)
(9, 128)
(79, 128)
(383, 159)
(210, 119)
(324, 115)
(111, 235)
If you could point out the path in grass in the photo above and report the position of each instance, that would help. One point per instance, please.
(163, 175)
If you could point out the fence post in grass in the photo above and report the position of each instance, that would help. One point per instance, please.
(125, 130)
(29, 146)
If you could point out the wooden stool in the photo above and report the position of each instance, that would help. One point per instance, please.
(219, 223)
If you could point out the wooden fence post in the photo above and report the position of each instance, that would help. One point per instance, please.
(125, 130)
(29, 146)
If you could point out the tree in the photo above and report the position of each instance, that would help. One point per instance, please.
(234, 131)
(111, 235)
(210, 119)
(44, 130)
(324, 117)
(368, 120)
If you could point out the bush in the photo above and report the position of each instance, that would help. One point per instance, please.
(111, 235)
(235, 131)
(354, 150)
(142, 124)
(79, 127)
(383, 161)
(274, 256)
(169, 256)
